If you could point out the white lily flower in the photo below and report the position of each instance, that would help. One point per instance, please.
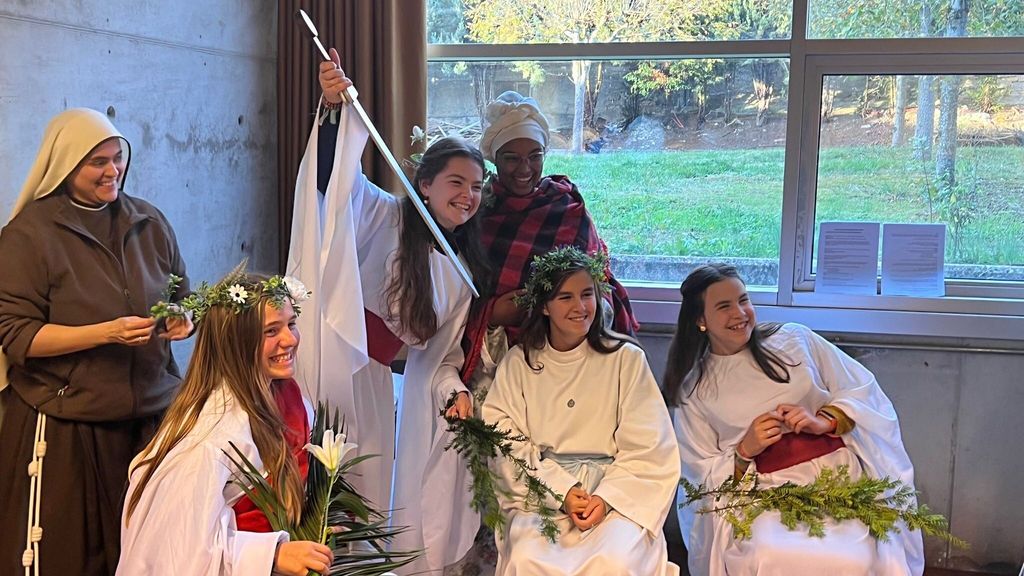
(296, 289)
(417, 135)
(332, 450)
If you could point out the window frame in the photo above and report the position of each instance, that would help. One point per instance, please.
(971, 308)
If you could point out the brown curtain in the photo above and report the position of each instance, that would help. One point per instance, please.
(382, 44)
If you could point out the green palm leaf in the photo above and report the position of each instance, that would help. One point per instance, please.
(361, 543)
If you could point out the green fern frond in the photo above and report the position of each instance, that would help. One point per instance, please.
(478, 443)
(880, 503)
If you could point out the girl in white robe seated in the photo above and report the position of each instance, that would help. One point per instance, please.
(180, 514)
(783, 401)
(598, 434)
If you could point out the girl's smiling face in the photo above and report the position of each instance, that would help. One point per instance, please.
(454, 193)
(280, 341)
(729, 316)
(571, 311)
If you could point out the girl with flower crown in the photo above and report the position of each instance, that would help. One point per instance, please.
(597, 433)
(184, 513)
(414, 297)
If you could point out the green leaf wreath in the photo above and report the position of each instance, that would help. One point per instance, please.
(877, 502)
(166, 308)
(479, 442)
(331, 501)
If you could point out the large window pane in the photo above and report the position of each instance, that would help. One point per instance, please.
(914, 18)
(560, 21)
(942, 149)
(680, 162)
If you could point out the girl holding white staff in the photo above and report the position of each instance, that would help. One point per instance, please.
(413, 296)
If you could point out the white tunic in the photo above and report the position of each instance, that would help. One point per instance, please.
(184, 523)
(430, 484)
(603, 413)
(711, 422)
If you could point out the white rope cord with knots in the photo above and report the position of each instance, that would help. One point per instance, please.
(34, 532)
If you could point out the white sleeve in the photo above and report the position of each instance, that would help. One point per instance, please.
(876, 438)
(447, 379)
(372, 207)
(643, 476)
(373, 210)
(702, 462)
(182, 524)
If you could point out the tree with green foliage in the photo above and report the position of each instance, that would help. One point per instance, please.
(575, 22)
(720, 20)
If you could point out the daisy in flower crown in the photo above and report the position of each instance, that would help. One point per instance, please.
(239, 397)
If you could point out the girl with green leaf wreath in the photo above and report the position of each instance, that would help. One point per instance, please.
(185, 512)
(596, 432)
(784, 404)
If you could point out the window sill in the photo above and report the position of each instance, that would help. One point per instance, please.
(949, 317)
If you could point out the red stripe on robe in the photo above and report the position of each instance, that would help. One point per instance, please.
(795, 449)
(293, 410)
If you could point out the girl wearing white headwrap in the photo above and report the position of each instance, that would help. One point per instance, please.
(525, 215)
(88, 380)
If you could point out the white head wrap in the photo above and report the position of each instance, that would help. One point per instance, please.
(68, 138)
(511, 116)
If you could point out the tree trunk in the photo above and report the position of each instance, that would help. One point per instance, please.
(594, 82)
(483, 78)
(924, 129)
(899, 120)
(945, 153)
(949, 100)
(764, 89)
(730, 69)
(580, 73)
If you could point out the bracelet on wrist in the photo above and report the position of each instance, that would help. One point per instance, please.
(832, 421)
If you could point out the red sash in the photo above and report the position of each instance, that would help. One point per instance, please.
(794, 449)
(293, 410)
(382, 345)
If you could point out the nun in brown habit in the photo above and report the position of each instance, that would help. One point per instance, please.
(90, 373)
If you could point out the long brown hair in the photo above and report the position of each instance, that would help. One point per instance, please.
(688, 353)
(228, 352)
(409, 294)
(537, 325)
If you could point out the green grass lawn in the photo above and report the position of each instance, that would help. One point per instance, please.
(729, 203)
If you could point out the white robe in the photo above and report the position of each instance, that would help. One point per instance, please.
(603, 411)
(430, 484)
(184, 523)
(712, 421)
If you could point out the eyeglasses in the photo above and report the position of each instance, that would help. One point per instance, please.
(515, 160)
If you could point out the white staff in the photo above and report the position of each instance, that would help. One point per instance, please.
(351, 97)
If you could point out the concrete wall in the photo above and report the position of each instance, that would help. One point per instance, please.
(960, 412)
(190, 84)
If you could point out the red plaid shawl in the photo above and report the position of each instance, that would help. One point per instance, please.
(516, 229)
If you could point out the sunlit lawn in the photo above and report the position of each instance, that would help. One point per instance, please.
(729, 202)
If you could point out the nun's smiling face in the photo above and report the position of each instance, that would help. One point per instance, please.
(520, 163)
(94, 182)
